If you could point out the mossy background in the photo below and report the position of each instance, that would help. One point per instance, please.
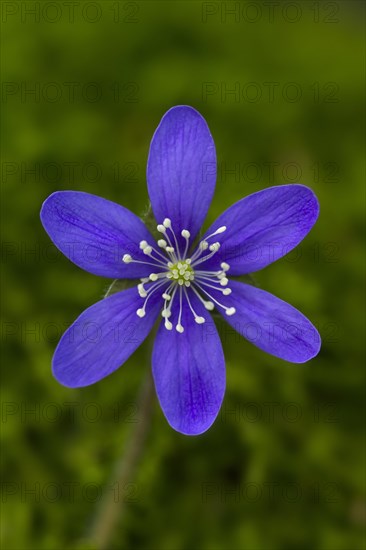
(284, 429)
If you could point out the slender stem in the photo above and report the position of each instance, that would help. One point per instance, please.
(110, 511)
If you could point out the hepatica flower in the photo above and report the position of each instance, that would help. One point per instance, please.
(180, 278)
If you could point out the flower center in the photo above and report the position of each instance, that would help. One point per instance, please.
(175, 274)
(181, 272)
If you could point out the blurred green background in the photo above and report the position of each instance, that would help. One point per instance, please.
(281, 86)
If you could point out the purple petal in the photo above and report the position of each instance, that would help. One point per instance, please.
(271, 324)
(95, 233)
(189, 371)
(181, 170)
(103, 337)
(264, 227)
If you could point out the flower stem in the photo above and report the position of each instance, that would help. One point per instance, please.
(111, 509)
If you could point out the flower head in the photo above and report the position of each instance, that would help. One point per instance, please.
(180, 280)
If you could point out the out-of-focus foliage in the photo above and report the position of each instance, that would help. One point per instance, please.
(283, 465)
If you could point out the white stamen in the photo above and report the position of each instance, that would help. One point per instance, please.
(127, 259)
(141, 312)
(161, 228)
(224, 266)
(162, 243)
(179, 326)
(197, 318)
(167, 222)
(217, 232)
(153, 277)
(186, 234)
(208, 305)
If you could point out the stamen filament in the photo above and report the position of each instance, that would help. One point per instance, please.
(203, 280)
(179, 327)
(199, 320)
(228, 310)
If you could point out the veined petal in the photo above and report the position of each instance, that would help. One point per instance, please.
(102, 338)
(95, 233)
(189, 371)
(263, 227)
(271, 324)
(181, 169)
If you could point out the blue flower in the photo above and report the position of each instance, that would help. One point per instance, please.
(179, 281)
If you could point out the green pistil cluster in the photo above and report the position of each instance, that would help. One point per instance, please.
(181, 272)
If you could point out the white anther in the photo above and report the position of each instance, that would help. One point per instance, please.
(188, 261)
(230, 311)
(220, 230)
(217, 232)
(224, 281)
(162, 243)
(168, 324)
(187, 283)
(143, 244)
(142, 291)
(166, 313)
(167, 222)
(167, 297)
(153, 277)
(147, 250)
(161, 228)
(214, 247)
(185, 233)
(226, 292)
(179, 328)
(209, 305)
(141, 312)
(180, 282)
(224, 266)
(127, 258)
(221, 275)
(199, 320)
(169, 249)
(203, 245)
